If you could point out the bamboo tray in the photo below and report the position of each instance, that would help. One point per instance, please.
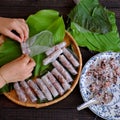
(13, 96)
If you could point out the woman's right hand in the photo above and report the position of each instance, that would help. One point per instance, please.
(18, 69)
(7, 25)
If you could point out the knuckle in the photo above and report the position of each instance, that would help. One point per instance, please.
(22, 20)
(13, 22)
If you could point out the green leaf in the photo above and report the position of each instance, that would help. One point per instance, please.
(90, 15)
(96, 35)
(6, 88)
(9, 50)
(47, 20)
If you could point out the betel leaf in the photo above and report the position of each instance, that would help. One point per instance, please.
(90, 15)
(94, 27)
(47, 20)
(9, 50)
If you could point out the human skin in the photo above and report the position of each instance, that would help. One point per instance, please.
(22, 67)
(8, 25)
(16, 70)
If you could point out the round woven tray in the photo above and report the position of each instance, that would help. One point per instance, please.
(13, 96)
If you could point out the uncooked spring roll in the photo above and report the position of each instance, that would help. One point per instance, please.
(61, 79)
(70, 57)
(25, 48)
(20, 93)
(56, 47)
(67, 64)
(50, 86)
(55, 83)
(52, 57)
(28, 91)
(44, 89)
(36, 89)
(63, 71)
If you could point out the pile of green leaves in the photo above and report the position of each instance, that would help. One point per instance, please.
(44, 21)
(94, 27)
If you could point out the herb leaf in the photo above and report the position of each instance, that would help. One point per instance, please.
(94, 27)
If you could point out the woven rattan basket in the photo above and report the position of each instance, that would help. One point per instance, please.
(13, 96)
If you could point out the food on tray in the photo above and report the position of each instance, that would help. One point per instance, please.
(52, 57)
(20, 93)
(28, 91)
(61, 79)
(70, 57)
(62, 70)
(25, 48)
(56, 84)
(67, 64)
(50, 86)
(56, 47)
(36, 89)
(44, 89)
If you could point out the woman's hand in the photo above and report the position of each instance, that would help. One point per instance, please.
(17, 70)
(8, 25)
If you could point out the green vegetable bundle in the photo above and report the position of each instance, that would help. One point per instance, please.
(94, 27)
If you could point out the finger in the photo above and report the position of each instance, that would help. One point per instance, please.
(12, 35)
(31, 64)
(25, 32)
(29, 75)
(29, 70)
(21, 20)
(21, 57)
(25, 28)
(26, 59)
(20, 31)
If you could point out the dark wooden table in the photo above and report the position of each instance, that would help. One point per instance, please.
(65, 109)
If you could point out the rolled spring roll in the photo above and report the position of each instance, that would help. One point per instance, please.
(25, 48)
(44, 89)
(70, 57)
(20, 93)
(36, 89)
(67, 64)
(52, 57)
(63, 71)
(50, 86)
(56, 47)
(61, 79)
(28, 91)
(55, 83)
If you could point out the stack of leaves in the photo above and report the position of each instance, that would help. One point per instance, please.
(94, 27)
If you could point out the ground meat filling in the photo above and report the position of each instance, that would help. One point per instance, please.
(103, 74)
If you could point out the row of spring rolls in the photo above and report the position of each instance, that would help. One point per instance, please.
(53, 83)
(54, 52)
(48, 87)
